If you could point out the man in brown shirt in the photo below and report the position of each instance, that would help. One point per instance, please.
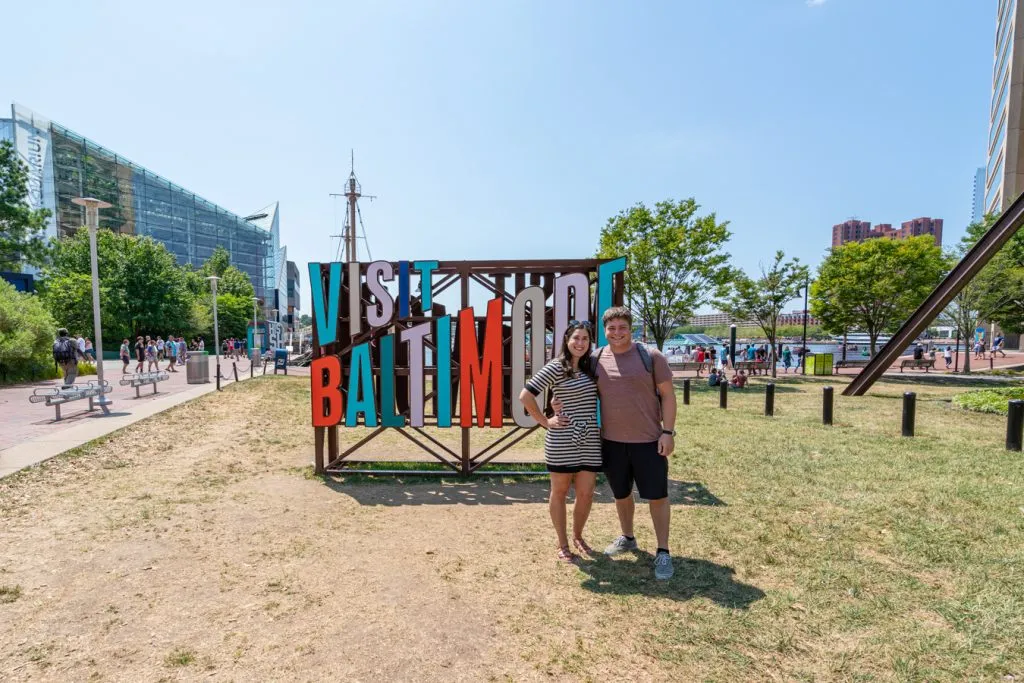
(638, 415)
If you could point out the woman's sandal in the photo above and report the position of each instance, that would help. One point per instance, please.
(565, 555)
(582, 546)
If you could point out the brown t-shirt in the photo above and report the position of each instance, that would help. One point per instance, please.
(630, 410)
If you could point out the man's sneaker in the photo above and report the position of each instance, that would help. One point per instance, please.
(620, 545)
(663, 569)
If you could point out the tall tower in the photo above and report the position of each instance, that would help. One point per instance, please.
(1004, 172)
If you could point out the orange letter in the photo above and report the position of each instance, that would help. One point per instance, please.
(474, 375)
(325, 390)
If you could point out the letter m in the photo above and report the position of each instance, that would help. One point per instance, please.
(480, 377)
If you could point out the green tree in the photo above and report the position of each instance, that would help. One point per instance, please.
(26, 333)
(234, 314)
(232, 280)
(994, 294)
(305, 320)
(675, 261)
(875, 285)
(762, 299)
(142, 290)
(21, 229)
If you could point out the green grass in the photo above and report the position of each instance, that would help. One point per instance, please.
(179, 657)
(989, 400)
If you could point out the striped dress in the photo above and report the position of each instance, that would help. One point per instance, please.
(577, 446)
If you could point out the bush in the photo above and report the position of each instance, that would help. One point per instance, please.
(26, 335)
(988, 400)
(86, 368)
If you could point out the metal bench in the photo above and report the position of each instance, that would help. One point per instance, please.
(689, 365)
(851, 364)
(55, 397)
(142, 378)
(925, 363)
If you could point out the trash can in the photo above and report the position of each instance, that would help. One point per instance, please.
(281, 360)
(818, 364)
(197, 369)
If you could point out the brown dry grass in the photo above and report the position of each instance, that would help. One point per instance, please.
(197, 545)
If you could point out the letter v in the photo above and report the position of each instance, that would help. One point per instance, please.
(326, 320)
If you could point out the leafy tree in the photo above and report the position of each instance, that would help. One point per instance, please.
(305, 320)
(142, 290)
(234, 314)
(995, 293)
(763, 299)
(675, 258)
(21, 229)
(26, 332)
(875, 285)
(232, 280)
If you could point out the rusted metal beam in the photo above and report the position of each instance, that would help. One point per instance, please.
(975, 259)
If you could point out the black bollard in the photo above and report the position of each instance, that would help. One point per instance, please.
(723, 395)
(1015, 425)
(909, 412)
(826, 405)
(769, 399)
(686, 392)
(235, 368)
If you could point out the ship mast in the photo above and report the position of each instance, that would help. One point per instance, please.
(353, 191)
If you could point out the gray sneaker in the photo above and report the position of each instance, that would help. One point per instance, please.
(663, 568)
(620, 545)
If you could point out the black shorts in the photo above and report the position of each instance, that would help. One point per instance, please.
(625, 463)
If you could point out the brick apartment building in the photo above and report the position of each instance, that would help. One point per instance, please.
(859, 231)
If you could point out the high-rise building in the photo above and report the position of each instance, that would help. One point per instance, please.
(978, 205)
(63, 165)
(1004, 173)
(294, 300)
(859, 231)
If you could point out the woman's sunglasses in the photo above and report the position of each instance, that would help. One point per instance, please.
(585, 324)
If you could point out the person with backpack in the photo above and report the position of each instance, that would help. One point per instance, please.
(572, 444)
(65, 355)
(638, 414)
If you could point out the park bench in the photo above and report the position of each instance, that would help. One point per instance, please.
(55, 397)
(689, 365)
(851, 364)
(751, 365)
(143, 378)
(925, 363)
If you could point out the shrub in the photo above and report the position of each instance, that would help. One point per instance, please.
(26, 335)
(988, 400)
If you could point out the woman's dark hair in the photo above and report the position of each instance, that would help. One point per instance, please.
(566, 357)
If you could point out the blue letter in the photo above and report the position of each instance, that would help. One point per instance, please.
(360, 375)
(403, 289)
(326, 321)
(425, 268)
(605, 285)
(443, 380)
(387, 384)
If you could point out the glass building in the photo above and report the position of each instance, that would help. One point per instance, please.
(64, 165)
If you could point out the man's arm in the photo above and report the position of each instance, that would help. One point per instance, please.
(666, 443)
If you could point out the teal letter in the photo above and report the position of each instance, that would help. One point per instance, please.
(326, 320)
(425, 268)
(605, 285)
(443, 380)
(360, 374)
(387, 384)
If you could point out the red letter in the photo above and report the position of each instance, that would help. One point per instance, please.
(327, 408)
(474, 375)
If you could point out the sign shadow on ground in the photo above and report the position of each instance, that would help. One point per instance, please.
(693, 578)
(493, 492)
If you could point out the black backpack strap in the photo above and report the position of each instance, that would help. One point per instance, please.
(645, 358)
(595, 359)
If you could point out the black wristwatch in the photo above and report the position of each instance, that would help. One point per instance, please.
(670, 432)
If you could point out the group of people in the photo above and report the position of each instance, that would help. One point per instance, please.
(630, 445)
(151, 352)
(233, 348)
(718, 377)
(997, 347)
(758, 353)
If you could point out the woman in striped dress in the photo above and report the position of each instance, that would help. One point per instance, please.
(572, 444)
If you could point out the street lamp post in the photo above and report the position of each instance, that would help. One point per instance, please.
(216, 328)
(92, 220)
(803, 344)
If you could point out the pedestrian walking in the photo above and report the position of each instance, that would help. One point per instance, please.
(151, 362)
(87, 353)
(140, 353)
(65, 355)
(126, 356)
(947, 356)
(171, 348)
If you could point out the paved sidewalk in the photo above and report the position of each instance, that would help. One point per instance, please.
(29, 434)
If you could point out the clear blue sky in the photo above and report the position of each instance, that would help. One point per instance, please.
(514, 129)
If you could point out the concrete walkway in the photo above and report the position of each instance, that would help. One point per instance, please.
(29, 434)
